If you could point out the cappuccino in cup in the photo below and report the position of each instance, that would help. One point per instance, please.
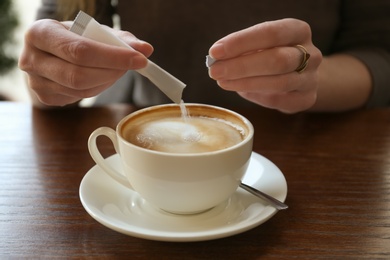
(170, 131)
(180, 165)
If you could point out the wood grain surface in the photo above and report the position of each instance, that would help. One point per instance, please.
(337, 168)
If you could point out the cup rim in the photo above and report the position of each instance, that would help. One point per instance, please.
(245, 121)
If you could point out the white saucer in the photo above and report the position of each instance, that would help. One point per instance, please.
(123, 210)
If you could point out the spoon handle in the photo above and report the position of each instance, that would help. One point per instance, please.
(274, 202)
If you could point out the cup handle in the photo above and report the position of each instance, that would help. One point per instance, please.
(98, 158)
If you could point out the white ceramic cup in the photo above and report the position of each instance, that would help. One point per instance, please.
(181, 183)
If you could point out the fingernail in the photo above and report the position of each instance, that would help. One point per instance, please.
(217, 51)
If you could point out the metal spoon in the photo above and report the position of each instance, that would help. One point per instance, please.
(274, 202)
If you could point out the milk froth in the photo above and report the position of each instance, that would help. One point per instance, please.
(193, 135)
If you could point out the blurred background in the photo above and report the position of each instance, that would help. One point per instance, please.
(15, 17)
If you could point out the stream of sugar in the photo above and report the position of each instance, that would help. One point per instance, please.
(190, 136)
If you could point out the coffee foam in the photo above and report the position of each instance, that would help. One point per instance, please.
(167, 133)
(192, 135)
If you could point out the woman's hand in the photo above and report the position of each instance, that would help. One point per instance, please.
(63, 67)
(260, 63)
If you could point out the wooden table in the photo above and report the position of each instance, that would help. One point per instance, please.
(337, 168)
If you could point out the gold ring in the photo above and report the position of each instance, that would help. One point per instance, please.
(305, 59)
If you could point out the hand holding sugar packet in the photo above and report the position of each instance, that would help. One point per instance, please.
(88, 27)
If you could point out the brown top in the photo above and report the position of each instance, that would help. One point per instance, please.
(182, 33)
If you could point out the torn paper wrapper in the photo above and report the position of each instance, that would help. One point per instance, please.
(209, 61)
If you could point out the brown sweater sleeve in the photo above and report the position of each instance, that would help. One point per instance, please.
(365, 34)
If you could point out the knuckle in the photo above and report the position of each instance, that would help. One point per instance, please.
(36, 88)
(283, 60)
(280, 84)
(298, 101)
(48, 99)
(24, 63)
(26, 60)
(38, 85)
(55, 99)
(35, 31)
(74, 79)
(271, 100)
(270, 29)
(316, 57)
(306, 30)
(304, 26)
(301, 26)
(285, 85)
(85, 94)
(40, 89)
(93, 91)
(76, 51)
(125, 35)
(311, 98)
